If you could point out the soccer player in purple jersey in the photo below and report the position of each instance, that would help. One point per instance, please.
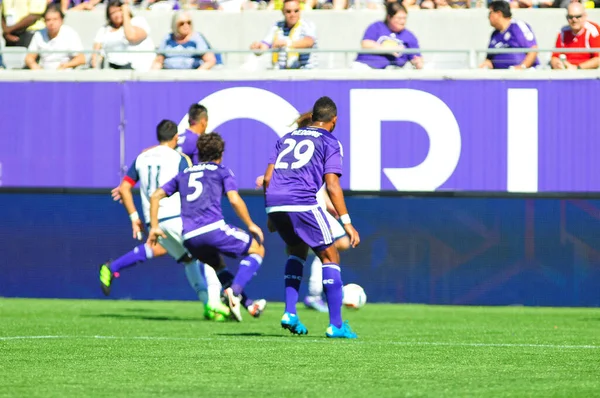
(205, 233)
(187, 144)
(314, 299)
(301, 162)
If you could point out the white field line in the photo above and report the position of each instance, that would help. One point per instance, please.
(297, 339)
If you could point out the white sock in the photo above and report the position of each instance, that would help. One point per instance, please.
(213, 285)
(196, 280)
(315, 282)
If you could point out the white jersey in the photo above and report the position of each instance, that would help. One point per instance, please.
(154, 168)
(321, 198)
(336, 228)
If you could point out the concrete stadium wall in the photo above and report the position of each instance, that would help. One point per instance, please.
(440, 29)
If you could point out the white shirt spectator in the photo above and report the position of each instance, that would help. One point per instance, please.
(292, 60)
(112, 40)
(66, 40)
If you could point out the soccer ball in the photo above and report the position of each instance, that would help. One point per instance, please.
(354, 296)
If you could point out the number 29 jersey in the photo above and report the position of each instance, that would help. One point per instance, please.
(301, 159)
(153, 168)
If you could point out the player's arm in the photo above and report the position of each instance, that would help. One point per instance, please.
(155, 231)
(336, 194)
(163, 192)
(127, 200)
(124, 190)
(329, 205)
(267, 177)
(240, 208)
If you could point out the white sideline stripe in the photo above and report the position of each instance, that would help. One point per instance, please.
(295, 340)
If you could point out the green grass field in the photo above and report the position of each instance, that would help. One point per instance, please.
(83, 348)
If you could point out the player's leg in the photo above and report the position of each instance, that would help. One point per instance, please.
(297, 251)
(254, 307)
(232, 242)
(195, 271)
(314, 298)
(332, 285)
(249, 266)
(111, 269)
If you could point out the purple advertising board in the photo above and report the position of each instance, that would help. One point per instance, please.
(410, 135)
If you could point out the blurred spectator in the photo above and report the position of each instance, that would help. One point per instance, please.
(55, 37)
(124, 32)
(509, 33)
(292, 32)
(183, 38)
(580, 33)
(162, 5)
(78, 5)
(459, 3)
(389, 34)
(20, 19)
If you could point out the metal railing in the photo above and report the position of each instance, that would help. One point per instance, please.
(472, 57)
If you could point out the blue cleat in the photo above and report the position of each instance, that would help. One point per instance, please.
(293, 324)
(316, 303)
(341, 333)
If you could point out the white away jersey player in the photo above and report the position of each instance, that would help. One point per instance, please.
(154, 168)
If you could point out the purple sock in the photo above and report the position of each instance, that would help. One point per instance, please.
(332, 285)
(248, 267)
(137, 255)
(293, 278)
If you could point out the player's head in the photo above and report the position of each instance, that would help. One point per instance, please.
(210, 147)
(166, 133)
(303, 120)
(324, 113)
(198, 118)
(499, 11)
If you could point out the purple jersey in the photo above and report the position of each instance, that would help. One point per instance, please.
(187, 145)
(301, 160)
(201, 188)
(517, 35)
(381, 34)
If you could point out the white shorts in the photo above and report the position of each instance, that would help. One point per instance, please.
(173, 244)
(337, 231)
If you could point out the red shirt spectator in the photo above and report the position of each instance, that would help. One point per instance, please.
(580, 33)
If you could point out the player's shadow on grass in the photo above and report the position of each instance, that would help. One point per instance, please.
(145, 317)
(250, 334)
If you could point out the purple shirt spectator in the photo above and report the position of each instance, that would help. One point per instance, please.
(201, 188)
(301, 159)
(517, 35)
(187, 145)
(380, 32)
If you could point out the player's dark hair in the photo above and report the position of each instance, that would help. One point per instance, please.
(303, 120)
(392, 8)
(197, 112)
(166, 130)
(324, 110)
(54, 8)
(502, 6)
(210, 147)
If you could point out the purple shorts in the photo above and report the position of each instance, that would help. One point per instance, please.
(227, 240)
(310, 227)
